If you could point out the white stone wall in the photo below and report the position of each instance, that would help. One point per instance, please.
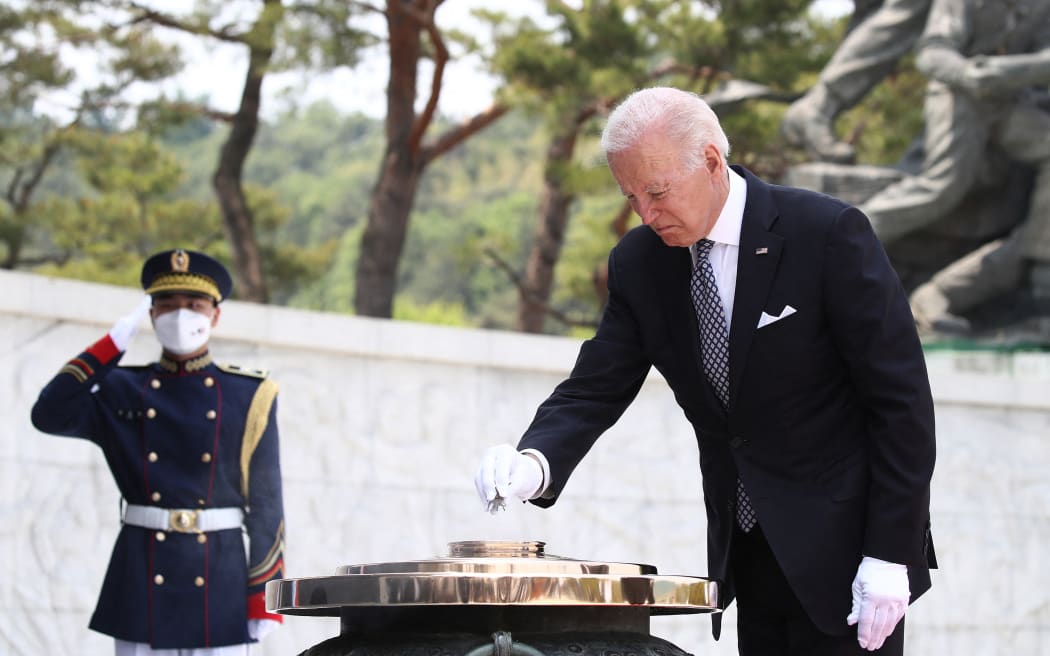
(382, 424)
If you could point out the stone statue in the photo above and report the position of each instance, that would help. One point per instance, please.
(886, 31)
(965, 216)
(989, 68)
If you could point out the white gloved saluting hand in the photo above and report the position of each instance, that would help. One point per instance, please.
(880, 597)
(505, 473)
(125, 328)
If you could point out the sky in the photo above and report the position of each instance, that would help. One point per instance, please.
(216, 72)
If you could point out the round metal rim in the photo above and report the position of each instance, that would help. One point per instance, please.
(328, 595)
(547, 565)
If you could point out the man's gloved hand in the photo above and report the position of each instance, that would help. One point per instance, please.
(260, 628)
(506, 473)
(126, 327)
(880, 597)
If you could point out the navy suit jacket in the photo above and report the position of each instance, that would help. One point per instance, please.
(830, 420)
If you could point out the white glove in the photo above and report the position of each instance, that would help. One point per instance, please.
(126, 327)
(506, 473)
(260, 628)
(880, 597)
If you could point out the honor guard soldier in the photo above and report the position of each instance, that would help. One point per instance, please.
(193, 448)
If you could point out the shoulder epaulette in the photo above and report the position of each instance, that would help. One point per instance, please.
(242, 371)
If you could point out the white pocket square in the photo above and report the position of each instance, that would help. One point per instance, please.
(767, 319)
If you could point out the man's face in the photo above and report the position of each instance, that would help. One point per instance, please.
(681, 207)
(165, 303)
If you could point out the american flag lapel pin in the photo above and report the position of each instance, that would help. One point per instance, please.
(761, 251)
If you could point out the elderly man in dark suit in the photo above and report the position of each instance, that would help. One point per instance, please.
(785, 335)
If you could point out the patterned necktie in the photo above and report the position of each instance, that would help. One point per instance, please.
(714, 347)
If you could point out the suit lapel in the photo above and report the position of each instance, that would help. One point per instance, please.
(756, 268)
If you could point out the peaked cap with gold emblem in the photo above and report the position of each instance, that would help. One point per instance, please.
(188, 272)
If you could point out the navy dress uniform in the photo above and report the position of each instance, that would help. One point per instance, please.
(193, 448)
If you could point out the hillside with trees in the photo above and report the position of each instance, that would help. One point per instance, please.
(501, 220)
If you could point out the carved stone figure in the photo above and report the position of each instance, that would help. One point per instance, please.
(887, 30)
(965, 216)
(985, 61)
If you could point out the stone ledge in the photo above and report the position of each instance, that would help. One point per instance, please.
(1018, 380)
(93, 303)
(1009, 379)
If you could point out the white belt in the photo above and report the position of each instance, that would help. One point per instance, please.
(183, 521)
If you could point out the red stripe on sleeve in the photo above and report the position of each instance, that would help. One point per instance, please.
(104, 350)
(257, 608)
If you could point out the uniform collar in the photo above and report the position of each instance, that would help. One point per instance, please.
(186, 366)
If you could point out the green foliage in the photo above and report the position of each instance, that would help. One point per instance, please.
(128, 212)
(474, 215)
(38, 39)
(120, 186)
(887, 122)
(754, 139)
(333, 291)
(132, 207)
(170, 115)
(587, 245)
(133, 163)
(140, 57)
(593, 52)
(793, 63)
(323, 165)
(286, 266)
(437, 312)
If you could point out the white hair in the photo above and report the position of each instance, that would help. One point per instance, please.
(687, 119)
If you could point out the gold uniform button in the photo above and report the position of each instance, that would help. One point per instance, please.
(151, 413)
(155, 384)
(161, 537)
(205, 457)
(152, 456)
(202, 538)
(199, 581)
(155, 496)
(211, 414)
(201, 502)
(209, 381)
(159, 579)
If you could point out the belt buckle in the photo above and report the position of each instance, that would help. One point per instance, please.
(183, 521)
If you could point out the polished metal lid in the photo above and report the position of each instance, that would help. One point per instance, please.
(493, 573)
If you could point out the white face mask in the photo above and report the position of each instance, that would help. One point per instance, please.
(182, 331)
